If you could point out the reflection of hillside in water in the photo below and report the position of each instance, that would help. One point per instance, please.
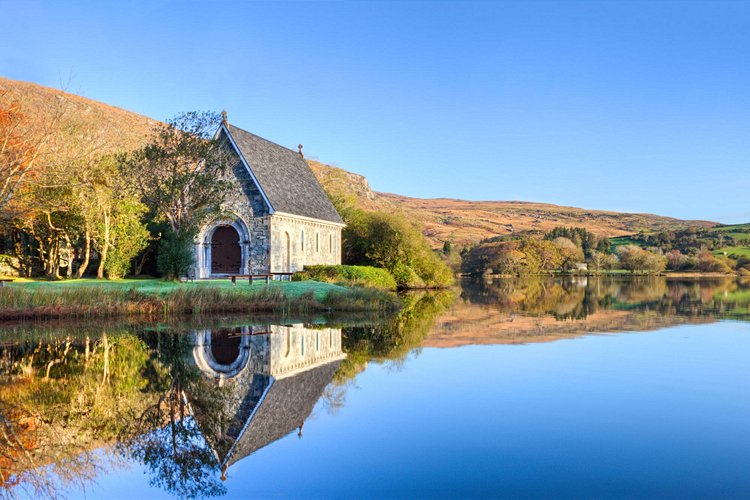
(186, 406)
(510, 311)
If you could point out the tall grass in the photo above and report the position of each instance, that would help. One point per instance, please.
(91, 302)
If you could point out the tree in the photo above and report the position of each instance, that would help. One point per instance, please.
(581, 238)
(635, 259)
(447, 247)
(540, 256)
(677, 261)
(600, 261)
(710, 264)
(570, 253)
(180, 173)
(22, 143)
(391, 241)
(117, 222)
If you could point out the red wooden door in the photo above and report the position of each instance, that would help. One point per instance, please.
(226, 255)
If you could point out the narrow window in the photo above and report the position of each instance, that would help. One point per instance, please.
(330, 243)
(317, 242)
(302, 240)
(317, 342)
(303, 344)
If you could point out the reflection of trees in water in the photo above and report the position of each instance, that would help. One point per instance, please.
(165, 437)
(60, 399)
(140, 396)
(576, 298)
(65, 396)
(392, 338)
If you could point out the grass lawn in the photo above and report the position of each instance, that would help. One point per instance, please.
(160, 287)
(623, 240)
(743, 251)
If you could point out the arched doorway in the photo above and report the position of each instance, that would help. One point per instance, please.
(225, 346)
(226, 253)
(222, 353)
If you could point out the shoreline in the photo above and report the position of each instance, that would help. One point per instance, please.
(675, 274)
(150, 299)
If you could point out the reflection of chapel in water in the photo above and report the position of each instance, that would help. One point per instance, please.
(270, 378)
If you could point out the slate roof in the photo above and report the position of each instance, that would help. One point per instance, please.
(284, 177)
(286, 405)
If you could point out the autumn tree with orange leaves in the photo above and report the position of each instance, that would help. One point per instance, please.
(21, 146)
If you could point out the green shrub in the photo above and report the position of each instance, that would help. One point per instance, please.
(175, 257)
(393, 242)
(406, 277)
(368, 276)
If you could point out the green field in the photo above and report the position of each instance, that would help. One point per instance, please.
(739, 251)
(623, 240)
(160, 287)
(737, 231)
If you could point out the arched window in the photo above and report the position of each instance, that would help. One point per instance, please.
(317, 242)
(302, 240)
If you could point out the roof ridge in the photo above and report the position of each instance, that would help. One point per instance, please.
(262, 138)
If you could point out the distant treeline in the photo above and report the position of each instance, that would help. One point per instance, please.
(574, 249)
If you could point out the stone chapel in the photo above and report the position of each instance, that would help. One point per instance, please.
(276, 219)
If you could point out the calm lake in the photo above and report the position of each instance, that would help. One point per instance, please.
(581, 387)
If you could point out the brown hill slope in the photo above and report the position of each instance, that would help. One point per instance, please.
(461, 221)
(115, 127)
(443, 219)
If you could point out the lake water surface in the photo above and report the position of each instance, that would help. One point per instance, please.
(598, 387)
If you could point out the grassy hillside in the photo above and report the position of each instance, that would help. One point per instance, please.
(461, 221)
(114, 126)
(443, 219)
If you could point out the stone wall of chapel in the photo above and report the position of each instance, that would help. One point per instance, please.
(320, 244)
(297, 347)
(243, 201)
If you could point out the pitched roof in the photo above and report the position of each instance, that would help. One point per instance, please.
(284, 177)
(267, 410)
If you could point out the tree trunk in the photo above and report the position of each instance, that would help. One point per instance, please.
(71, 256)
(86, 253)
(104, 249)
(142, 261)
(56, 258)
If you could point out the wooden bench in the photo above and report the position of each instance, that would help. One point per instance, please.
(3, 281)
(251, 277)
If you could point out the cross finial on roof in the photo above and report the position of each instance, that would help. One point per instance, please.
(224, 116)
(300, 150)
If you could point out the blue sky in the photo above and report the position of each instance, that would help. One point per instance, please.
(634, 106)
